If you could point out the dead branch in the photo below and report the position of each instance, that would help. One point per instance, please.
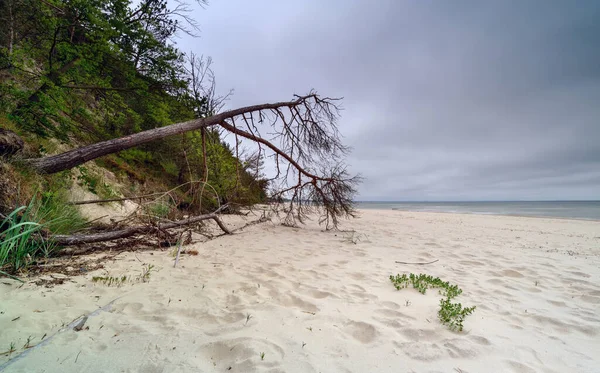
(77, 239)
(90, 201)
(305, 136)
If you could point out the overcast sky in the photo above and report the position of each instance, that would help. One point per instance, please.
(444, 100)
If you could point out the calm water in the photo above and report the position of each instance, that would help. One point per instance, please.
(589, 210)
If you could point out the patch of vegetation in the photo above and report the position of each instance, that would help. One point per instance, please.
(120, 281)
(449, 314)
(58, 215)
(422, 282)
(104, 73)
(94, 183)
(10, 350)
(453, 314)
(145, 276)
(24, 229)
(109, 280)
(159, 209)
(21, 238)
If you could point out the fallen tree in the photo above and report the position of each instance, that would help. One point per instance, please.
(302, 140)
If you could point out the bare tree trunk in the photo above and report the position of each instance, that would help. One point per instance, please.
(74, 158)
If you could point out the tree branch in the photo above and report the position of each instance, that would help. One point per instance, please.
(76, 157)
(78, 239)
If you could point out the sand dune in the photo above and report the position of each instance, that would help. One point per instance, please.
(314, 301)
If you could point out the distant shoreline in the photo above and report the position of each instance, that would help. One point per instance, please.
(481, 214)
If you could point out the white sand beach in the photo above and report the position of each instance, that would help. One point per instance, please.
(314, 301)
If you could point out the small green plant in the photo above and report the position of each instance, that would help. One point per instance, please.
(422, 282)
(262, 355)
(109, 280)
(248, 317)
(59, 216)
(27, 343)
(20, 237)
(145, 276)
(94, 184)
(88, 180)
(10, 350)
(450, 314)
(23, 232)
(120, 281)
(453, 314)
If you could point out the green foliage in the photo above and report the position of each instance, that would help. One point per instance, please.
(94, 183)
(449, 314)
(136, 155)
(21, 239)
(23, 231)
(145, 276)
(109, 280)
(89, 70)
(453, 314)
(422, 282)
(120, 281)
(58, 215)
(85, 179)
(159, 209)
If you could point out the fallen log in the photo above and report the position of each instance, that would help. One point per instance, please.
(77, 239)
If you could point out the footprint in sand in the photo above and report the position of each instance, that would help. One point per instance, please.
(460, 348)
(520, 368)
(361, 331)
(422, 351)
(320, 294)
(419, 334)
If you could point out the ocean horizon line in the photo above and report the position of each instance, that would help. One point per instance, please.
(479, 201)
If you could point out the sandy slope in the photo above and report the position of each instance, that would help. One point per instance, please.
(319, 303)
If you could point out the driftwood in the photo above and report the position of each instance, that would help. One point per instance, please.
(65, 240)
(91, 201)
(419, 263)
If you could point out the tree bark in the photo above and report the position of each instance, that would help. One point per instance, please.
(78, 239)
(76, 157)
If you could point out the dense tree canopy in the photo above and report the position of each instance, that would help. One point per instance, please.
(88, 70)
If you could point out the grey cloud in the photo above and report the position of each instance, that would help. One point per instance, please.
(443, 100)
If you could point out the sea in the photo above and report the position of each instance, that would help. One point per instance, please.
(585, 210)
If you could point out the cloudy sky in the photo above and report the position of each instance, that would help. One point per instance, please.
(443, 100)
